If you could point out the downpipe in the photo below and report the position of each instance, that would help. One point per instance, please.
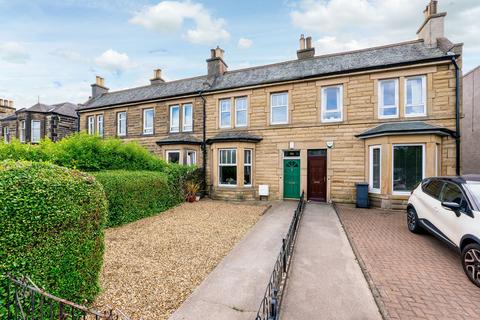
(204, 143)
(457, 113)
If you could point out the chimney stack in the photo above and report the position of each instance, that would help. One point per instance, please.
(433, 27)
(6, 107)
(306, 50)
(157, 77)
(98, 88)
(216, 65)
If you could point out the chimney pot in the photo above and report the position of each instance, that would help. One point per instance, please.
(309, 42)
(157, 77)
(306, 50)
(10, 104)
(433, 27)
(1, 102)
(302, 42)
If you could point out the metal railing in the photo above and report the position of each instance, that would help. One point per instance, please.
(270, 306)
(25, 300)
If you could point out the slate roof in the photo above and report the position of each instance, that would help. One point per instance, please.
(234, 136)
(9, 117)
(64, 109)
(405, 127)
(179, 138)
(378, 57)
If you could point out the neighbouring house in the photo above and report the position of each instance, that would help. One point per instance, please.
(471, 122)
(386, 115)
(30, 125)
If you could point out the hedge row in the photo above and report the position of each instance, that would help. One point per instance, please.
(85, 152)
(52, 221)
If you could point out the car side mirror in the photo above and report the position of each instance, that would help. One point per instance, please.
(455, 207)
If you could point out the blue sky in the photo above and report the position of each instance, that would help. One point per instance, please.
(52, 50)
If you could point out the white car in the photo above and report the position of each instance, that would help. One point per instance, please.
(449, 208)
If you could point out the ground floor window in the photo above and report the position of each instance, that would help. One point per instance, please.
(173, 156)
(247, 167)
(375, 168)
(91, 125)
(6, 133)
(227, 167)
(191, 158)
(35, 131)
(408, 167)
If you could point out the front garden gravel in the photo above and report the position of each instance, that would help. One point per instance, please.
(152, 265)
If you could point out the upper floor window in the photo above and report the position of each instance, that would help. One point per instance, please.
(6, 134)
(225, 113)
(175, 118)
(332, 104)
(279, 108)
(100, 125)
(91, 125)
(415, 96)
(122, 123)
(187, 117)
(35, 131)
(148, 121)
(388, 98)
(241, 110)
(22, 131)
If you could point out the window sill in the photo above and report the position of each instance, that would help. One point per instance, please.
(415, 115)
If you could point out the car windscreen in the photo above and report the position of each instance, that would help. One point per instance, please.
(474, 189)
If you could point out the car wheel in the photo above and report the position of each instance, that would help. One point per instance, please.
(412, 221)
(471, 262)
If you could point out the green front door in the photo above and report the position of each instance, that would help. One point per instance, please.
(291, 178)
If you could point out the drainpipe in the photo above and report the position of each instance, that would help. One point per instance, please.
(457, 113)
(204, 142)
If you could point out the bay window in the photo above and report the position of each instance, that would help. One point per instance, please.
(187, 117)
(191, 158)
(35, 131)
(241, 111)
(122, 124)
(375, 169)
(388, 98)
(173, 156)
(408, 167)
(247, 167)
(415, 96)
(91, 125)
(225, 113)
(279, 108)
(227, 167)
(332, 103)
(175, 118)
(148, 121)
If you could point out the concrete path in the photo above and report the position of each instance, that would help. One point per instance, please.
(233, 290)
(325, 280)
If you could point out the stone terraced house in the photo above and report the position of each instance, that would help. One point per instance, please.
(40, 121)
(385, 115)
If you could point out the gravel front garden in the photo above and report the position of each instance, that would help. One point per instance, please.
(152, 265)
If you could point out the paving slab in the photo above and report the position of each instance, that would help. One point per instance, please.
(325, 279)
(234, 289)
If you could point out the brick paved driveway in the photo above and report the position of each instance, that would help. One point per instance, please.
(416, 276)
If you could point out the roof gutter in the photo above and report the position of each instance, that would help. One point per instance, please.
(457, 114)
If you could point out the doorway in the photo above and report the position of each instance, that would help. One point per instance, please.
(317, 175)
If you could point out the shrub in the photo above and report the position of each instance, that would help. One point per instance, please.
(87, 153)
(51, 229)
(133, 195)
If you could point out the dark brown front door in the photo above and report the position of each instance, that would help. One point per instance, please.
(317, 175)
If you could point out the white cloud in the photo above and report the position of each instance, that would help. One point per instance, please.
(170, 16)
(328, 44)
(114, 61)
(70, 55)
(14, 52)
(244, 43)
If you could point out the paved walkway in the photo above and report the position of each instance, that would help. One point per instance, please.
(325, 280)
(233, 290)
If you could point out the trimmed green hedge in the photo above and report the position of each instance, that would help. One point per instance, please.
(86, 152)
(133, 195)
(51, 228)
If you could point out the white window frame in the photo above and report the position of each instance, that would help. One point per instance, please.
(245, 164)
(148, 130)
(91, 124)
(100, 126)
(380, 100)
(173, 128)
(339, 103)
(370, 171)
(220, 164)
(406, 193)
(32, 135)
(168, 152)
(241, 125)
(187, 127)
(280, 106)
(120, 121)
(22, 130)
(6, 134)
(424, 96)
(194, 162)
(220, 111)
